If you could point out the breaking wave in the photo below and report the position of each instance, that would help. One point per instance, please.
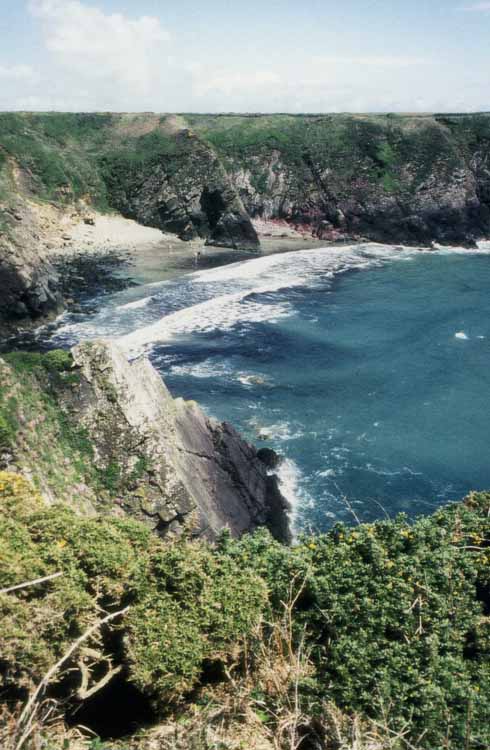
(251, 288)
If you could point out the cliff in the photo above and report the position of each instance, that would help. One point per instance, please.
(105, 436)
(183, 189)
(394, 178)
(389, 178)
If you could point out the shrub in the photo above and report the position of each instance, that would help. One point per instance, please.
(57, 360)
(188, 604)
(7, 434)
(393, 616)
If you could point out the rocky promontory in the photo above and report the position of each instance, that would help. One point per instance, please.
(184, 190)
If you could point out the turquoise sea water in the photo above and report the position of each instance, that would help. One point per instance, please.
(366, 367)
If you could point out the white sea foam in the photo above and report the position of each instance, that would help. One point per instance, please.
(482, 248)
(404, 470)
(251, 379)
(220, 313)
(137, 304)
(280, 431)
(290, 479)
(221, 298)
(207, 369)
(234, 290)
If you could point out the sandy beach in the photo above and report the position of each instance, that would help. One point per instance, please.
(156, 255)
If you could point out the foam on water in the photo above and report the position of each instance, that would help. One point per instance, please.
(220, 313)
(290, 483)
(246, 281)
(207, 369)
(219, 299)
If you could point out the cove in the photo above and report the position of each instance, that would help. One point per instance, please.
(366, 367)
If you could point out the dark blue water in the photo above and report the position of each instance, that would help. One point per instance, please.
(368, 369)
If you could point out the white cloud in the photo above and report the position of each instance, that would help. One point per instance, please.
(101, 47)
(328, 83)
(22, 73)
(89, 58)
(233, 82)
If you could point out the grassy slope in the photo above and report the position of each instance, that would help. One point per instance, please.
(376, 148)
(41, 433)
(70, 156)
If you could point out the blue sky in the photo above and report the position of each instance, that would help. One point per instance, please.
(214, 56)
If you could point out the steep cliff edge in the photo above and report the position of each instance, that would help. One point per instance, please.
(394, 178)
(104, 435)
(389, 178)
(182, 188)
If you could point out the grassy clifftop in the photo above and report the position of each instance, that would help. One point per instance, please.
(69, 154)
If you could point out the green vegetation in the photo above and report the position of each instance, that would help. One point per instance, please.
(33, 420)
(125, 163)
(96, 156)
(66, 157)
(54, 153)
(391, 619)
(189, 603)
(6, 434)
(371, 150)
(36, 419)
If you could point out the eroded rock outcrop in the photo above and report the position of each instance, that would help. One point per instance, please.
(29, 281)
(180, 470)
(185, 191)
(416, 181)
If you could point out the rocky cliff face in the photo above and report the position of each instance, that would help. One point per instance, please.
(106, 436)
(185, 191)
(29, 281)
(449, 209)
(410, 179)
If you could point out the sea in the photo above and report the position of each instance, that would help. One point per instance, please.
(365, 366)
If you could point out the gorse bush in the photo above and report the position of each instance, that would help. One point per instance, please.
(393, 616)
(187, 603)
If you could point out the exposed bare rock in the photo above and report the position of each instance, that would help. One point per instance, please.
(180, 469)
(29, 281)
(187, 192)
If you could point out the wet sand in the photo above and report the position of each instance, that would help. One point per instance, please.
(157, 256)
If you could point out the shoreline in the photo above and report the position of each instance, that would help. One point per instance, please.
(88, 245)
(156, 256)
(130, 254)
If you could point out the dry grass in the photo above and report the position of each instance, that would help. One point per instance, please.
(48, 732)
(258, 707)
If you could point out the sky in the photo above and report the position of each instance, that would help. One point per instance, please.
(247, 56)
